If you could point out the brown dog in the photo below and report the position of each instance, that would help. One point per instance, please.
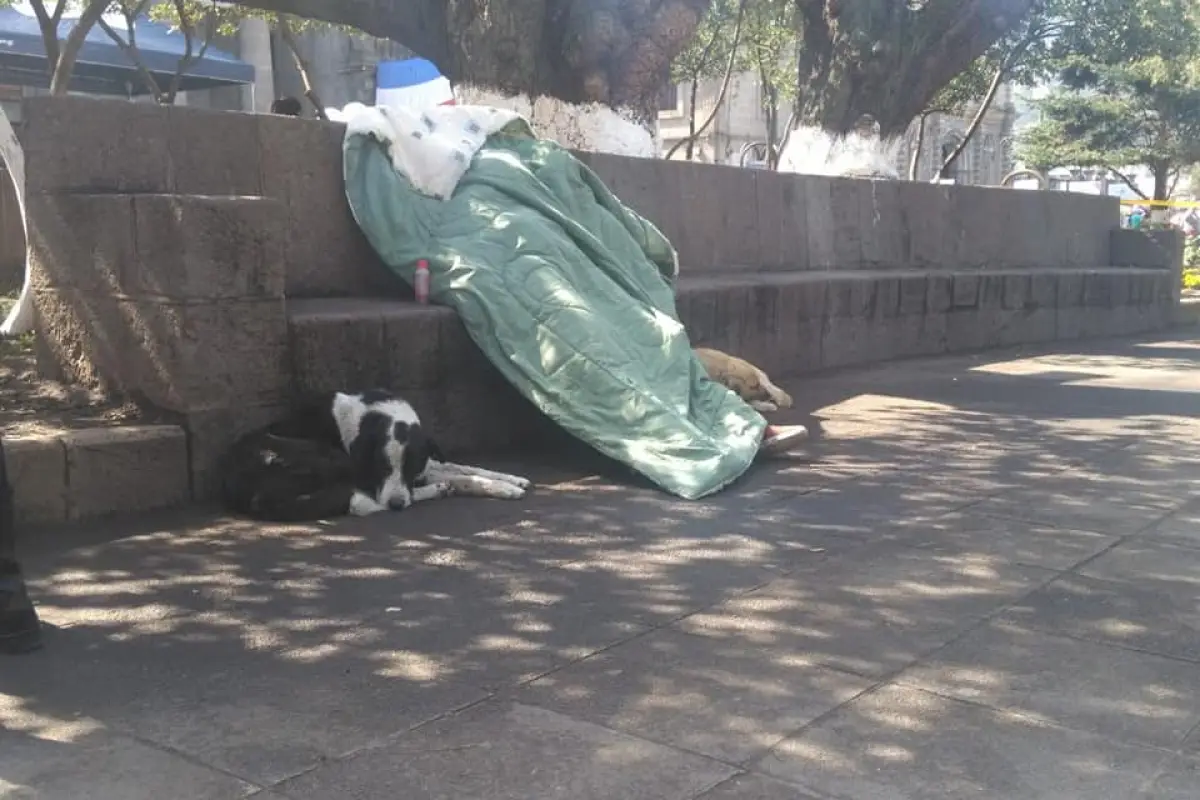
(744, 379)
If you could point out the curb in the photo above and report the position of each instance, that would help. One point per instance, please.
(97, 472)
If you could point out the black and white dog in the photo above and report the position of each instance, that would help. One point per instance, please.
(349, 454)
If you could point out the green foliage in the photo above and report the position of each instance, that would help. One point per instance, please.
(1191, 256)
(1129, 93)
(707, 55)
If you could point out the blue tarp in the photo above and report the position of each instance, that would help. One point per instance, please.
(103, 68)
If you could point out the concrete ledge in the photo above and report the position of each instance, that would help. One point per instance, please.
(789, 323)
(96, 472)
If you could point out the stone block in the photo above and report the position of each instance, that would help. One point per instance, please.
(1043, 289)
(939, 298)
(1098, 289)
(976, 214)
(783, 221)
(1017, 292)
(80, 241)
(852, 295)
(170, 356)
(1028, 326)
(848, 341)
(700, 232)
(991, 291)
(37, 471)
(736, 222)
(932, 240)
(337, 345)
(913, 292)
(1069, 322)
(325, 252)
(887, 297)
(151, 462)
(645, 185)
(847, 196)
(210, 434)
(697, 306)
(195, 247)
(1070, 289)
(1079, 228)
(821, 229)
(966, 290)
(1026, 234)
(214, 152)
(82, 143)
(966, 330)
(882, 225)
(1146, 249)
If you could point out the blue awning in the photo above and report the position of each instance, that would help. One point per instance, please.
(103, 68)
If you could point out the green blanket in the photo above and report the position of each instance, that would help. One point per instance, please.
(570, 295)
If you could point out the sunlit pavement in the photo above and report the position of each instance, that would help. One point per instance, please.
(980, 582)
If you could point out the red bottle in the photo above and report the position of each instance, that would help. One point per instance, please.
(421, 282)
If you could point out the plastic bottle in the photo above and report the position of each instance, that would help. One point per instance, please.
(421, 282)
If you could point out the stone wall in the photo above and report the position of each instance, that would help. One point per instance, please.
(206, 264)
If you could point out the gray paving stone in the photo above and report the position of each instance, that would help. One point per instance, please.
(1131, 697)
(44, 758)
(1069, 510)
(1126, 615)
(227, 694)
(751, 786)
(513, 752)
(900, 743)
(1014, 540)
(1181, 528)
(1151, 565)
(700, 694)
(870, 612)
(1179, 779)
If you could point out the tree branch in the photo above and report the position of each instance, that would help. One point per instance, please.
(60, 81)
(289, 38)
(188, 27)
(737, 38)
(914, 161)
(130, 48)
(1125, 179)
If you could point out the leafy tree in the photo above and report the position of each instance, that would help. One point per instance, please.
(1129, 95)
(712, 53)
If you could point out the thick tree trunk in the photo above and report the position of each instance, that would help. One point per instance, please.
(615, 52)
(886, 59)
(60, 78)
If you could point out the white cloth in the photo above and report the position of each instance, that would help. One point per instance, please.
(432, 148)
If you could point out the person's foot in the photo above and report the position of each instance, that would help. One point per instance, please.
(778, 439)
(20, 631)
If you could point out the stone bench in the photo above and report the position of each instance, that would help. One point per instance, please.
(206, 264)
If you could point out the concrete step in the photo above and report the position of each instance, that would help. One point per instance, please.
(79, 475)
(789, 323)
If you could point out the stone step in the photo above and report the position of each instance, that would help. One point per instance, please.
(79, 475)
(788, 323)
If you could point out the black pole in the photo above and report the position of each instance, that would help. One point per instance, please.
(20, 631)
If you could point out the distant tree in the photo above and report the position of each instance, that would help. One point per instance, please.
(1129, 96)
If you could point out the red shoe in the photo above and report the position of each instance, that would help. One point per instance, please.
(779, 439)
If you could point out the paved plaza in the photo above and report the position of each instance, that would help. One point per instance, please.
(980, 581)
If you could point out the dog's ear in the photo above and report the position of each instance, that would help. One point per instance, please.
(418, 449)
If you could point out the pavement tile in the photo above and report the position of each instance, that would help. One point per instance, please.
(1181, 528)
(505, 751)
(1014, 540)
(68, 759)
(695, 693)
(868, 612)
(751, 786)
(246, 706)
(1122, 614)
(901, 743)
(1066, 509)
(1131, 697)
(1178, 779)
(1150, 565)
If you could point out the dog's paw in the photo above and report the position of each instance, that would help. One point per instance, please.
(361, 505)
(764, 406)
(520, 483)
(508, 491)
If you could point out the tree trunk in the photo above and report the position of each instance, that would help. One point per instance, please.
(48, 22)
(284, 26)
(885, 59)
(616, 52)
(914, 160)
(188, 26)
(976, 121)
(69, 51)
(1162, 180)
(691, 137)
